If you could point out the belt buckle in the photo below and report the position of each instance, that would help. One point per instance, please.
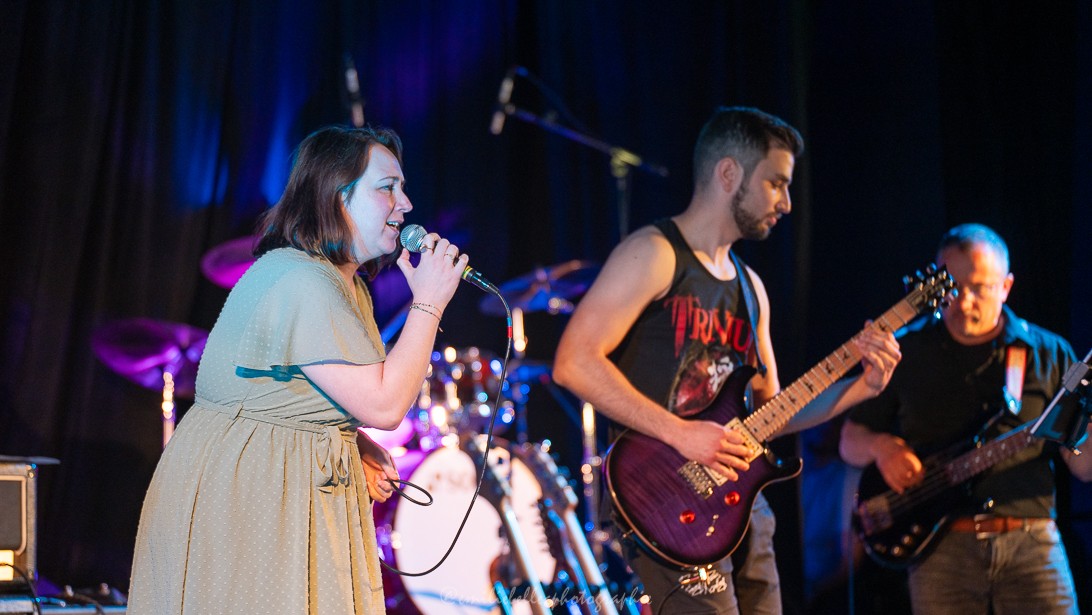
(980, 534)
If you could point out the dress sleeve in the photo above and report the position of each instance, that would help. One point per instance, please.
(305, 317)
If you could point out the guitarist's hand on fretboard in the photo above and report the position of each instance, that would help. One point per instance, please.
(880, 355)
(900, 466)
(713, 445)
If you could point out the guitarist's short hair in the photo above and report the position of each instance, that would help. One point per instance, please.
(965, 236)
(745, 134)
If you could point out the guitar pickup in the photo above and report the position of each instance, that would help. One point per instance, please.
(874, 515)
(754, 447)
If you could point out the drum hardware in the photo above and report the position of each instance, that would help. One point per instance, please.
(155, 354)
(560, 502)
(546, 289)
(502, 598)
(415, 537)
(590, 473)
(224, 264)
(458, 396)
(501, 492)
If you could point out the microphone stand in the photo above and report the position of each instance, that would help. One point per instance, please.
(1076, 376)
(621, 159)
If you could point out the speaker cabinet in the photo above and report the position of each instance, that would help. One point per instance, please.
(18, 492)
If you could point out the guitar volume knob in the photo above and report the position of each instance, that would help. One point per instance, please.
(687, 517)
(732, 498)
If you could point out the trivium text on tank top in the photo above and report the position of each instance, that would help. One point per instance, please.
(707, 326)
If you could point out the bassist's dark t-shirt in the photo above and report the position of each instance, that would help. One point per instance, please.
(942, 393)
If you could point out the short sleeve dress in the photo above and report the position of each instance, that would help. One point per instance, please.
(259, 504)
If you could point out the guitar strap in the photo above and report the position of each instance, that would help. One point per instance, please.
(751, 301)
(1015, 360)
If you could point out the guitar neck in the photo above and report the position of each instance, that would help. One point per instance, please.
(765, 422)
(989, 454)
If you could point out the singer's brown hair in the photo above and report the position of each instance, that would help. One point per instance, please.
(309, 215)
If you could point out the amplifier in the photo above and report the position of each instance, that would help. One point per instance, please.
(18, 518)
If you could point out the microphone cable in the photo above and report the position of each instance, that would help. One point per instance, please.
(481, 473)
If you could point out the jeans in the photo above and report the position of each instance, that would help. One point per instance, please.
(1016, 573)
(752, 589)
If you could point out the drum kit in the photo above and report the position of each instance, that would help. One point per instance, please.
(521, 549)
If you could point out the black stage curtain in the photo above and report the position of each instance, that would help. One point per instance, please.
(135, 136)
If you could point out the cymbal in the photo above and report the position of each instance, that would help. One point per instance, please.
(546, 289)
(141, 349)
(226, 263)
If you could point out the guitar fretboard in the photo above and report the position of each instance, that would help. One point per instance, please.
(989, 454)
(776, 413)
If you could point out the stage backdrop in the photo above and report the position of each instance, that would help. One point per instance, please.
(138, 135)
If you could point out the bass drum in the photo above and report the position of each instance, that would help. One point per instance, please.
(413, 538)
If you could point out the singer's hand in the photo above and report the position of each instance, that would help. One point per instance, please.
(437, 274)
(378, 467)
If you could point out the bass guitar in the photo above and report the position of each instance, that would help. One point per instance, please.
(689, 515)
(897, 529)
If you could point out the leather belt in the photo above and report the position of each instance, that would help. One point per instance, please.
(985, 525)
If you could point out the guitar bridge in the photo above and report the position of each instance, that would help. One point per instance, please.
(702, 479)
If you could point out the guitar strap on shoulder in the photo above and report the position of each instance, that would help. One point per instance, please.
(1015, 360)
(751, 301)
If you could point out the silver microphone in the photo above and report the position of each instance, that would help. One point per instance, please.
(413, 237)
(503, 96)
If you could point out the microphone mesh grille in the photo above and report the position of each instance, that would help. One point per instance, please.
(412, 236)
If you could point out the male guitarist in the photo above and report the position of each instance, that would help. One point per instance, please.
(978, 365)
(667, 320)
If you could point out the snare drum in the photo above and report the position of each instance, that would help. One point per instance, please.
(413, 538)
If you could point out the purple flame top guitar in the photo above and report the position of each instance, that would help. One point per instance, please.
(689, 515)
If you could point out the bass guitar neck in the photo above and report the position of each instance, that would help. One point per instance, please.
(897, 529)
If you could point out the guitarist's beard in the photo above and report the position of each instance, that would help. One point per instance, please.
(750, 226)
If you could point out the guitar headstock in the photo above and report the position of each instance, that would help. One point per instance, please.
(929, 290)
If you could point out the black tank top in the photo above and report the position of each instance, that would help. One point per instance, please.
(683, 347)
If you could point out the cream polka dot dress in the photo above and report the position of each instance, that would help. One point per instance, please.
(258, 504)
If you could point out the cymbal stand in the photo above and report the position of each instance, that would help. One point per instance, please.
(590, 471)
(519, 398)
(168, 407)
(498, 491)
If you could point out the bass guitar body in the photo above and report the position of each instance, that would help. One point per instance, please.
(897, 531)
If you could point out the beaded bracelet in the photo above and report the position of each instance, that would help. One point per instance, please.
(434, 312)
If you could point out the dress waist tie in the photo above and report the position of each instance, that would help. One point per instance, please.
(332, 451)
